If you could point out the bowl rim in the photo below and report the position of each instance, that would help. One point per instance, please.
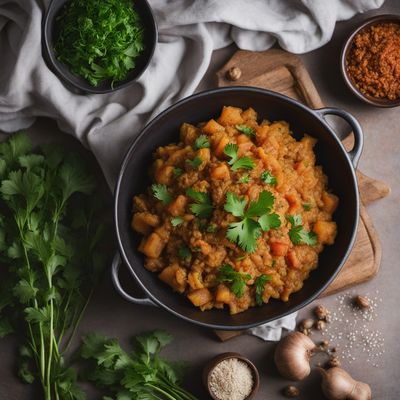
(343, 56)
(50, 59)
(211, 364)
(125, 164)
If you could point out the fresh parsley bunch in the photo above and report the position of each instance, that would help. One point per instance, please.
(141, 374)
(99, 40)
(49, 240)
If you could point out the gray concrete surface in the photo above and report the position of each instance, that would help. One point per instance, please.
(111, 315)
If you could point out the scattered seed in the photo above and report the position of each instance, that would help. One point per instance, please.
(321, 312)
(361, 302)
(291, 391)
(320, 325)
(234, 73)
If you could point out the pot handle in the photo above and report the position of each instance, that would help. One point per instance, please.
(355, 153)
(116, 264)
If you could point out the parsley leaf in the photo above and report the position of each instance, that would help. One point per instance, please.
(297, 233)
(238, 280)
(244, 178)
(185, 253)
(246, 231)
(236, 163)
(212, 228)
(160, 192)
(195, 163)
(99, 41)
(177, 172)
(175, 221)
(202, 207)
(247, 130)
(259, 283)
(268, 178)
(201, 142)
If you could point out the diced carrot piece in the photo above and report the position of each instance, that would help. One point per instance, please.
(263, 156)
(153, 246)
(221, 171)
(177, 207)
(219, 151)
(326, 231)
(199, 297)
(244, 148)
(212, 126)
(231, 116)
(279, 248)
(294, 202)
(330, 201)
(262, 133)
(292, 259)
(243, 139)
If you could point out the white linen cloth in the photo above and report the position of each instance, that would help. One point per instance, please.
(189, 31)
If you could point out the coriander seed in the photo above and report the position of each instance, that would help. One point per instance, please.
(291, 391)
(234, 73)
(362, 302)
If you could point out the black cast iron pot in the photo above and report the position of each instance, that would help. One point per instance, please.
(338, 165)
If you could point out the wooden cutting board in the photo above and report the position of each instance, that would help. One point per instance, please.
(284, 73)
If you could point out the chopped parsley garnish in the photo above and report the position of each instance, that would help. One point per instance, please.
(211, 228)
(247, 130)
(259, 283)
(237, 280)
(244, 178)
(177, 172)
(175, 221)
(185, 253)
(307, 206)
(268, 178)
(246, 232)
(195, 163)
(297, 233)
(99, 41)
(202, 207)
(161, 192)
(236, 162)
(273, 263)
(201, 142)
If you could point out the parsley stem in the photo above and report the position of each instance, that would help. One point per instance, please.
(158, 389)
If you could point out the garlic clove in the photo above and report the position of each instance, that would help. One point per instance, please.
(337, 384)
(292, 356)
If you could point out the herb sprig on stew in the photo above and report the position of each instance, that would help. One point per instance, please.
(297, 233)
(236, 163)
(246, 231)
(236, 279)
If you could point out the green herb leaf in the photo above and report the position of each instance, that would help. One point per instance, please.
(177, 172)
(297, 233)
(160, 192)
(245, 233)
(269, 221)
(212, 228)
(261, 206)
(236, 163)
(244, 178)
(234, 204)
(175, 221)
(268, 178)
(247, 130)
(307, 206)
(238, 280)
(195, 163)
(201, 142)
(259, 283)
(185, 253)
(203, 207)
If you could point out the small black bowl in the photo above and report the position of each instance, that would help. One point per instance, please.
(77, 83)
(374, 101)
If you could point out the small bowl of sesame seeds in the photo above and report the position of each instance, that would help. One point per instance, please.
(230, 376)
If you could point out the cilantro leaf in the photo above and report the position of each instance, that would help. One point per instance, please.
(201, 142)
(195, 163)
(234, 204)
(212, 228)
(268, 178)
(238, 280)
(269, 221)
(307, 206)
(297, 233)
(244, 178)
(185, 253)
(202, 207)
(259, 283)
(247, 130)
(236, 163)
(177, 172)
(160, 192)
(262, 205)
(245, 233)
(175, 221)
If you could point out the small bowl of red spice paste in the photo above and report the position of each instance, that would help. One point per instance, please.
(370, 61)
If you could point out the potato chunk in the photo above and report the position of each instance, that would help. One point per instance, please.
(212, 126)
(326, 231)
(143, 222)
(177, 207)
(174, 276)
(231, 116)
(330, 202)
(199, 297)
(152, 246)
